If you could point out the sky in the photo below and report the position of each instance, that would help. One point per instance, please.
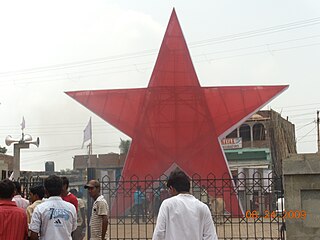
(50, 47)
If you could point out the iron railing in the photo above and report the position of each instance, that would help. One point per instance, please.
(258, 196)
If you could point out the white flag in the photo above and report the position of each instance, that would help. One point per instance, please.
(87, 132)
(11, 176)
(23, 124)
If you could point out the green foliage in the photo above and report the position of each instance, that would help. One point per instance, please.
(124, 146)
(3, 150)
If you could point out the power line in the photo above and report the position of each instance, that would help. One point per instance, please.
(232, 37)
(263, 31)
(297, 129)
(306, 134)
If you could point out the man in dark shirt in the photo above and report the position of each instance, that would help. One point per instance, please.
(12, 218)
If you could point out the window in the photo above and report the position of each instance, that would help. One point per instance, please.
(259, 132)
(4, 173)
(233, 134)
(245, 132)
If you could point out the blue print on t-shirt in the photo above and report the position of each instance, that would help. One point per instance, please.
(59, 213)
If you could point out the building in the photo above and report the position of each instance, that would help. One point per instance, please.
(6, 165)
(109, 165)
(255, 151)
(262, 142)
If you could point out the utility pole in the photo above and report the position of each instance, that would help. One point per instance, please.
(318, 131)
(24, 142)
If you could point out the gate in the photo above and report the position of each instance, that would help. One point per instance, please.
(262, 218)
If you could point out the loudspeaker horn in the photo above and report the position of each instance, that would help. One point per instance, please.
(9, 140)
(27, 137)
(37, 142)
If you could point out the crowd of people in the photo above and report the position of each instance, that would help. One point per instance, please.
(56, 213)
(52, 212)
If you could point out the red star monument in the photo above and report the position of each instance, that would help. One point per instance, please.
(175, 121)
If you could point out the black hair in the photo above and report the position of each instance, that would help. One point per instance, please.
(6, 189)
(65, 181)
(53, 184)
(17, 187)
(74, 191)
(37, 190)
(179, 181)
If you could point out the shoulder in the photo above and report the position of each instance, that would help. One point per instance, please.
(170, 201)
(68, 205)
(30, 208)
(18, 212)
(101, 201)
(73, 196)
(81, 203)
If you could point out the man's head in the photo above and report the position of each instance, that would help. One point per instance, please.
(74, 191)
(6, 189)
(65, 183)
(93, 187)
(179, 181)
(36, 193)
(53, 185)
(17, 188)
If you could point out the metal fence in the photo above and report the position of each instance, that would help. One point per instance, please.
(258, 196)
(26, 183)
(261, 198)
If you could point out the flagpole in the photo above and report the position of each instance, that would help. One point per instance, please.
(90, 145)
(90, 149)
(23, 125)
(90, 176)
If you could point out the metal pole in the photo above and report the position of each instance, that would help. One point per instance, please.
(16, 158)
(90, 175)
(318, 133)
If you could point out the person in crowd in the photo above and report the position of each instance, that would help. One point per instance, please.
(139, 205)
(66, 195)
(183, 216)
(13, 220)
(20, 201)
(36, 196)
(80, 232)
(99, 215)
(54, 218)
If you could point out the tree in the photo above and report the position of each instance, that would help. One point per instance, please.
(3, 150)
(124, 146)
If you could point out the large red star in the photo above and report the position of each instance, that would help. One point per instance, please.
(175, 121)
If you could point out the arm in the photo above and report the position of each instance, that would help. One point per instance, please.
(104, 226)
(83, 216)
(209, 230)
(74, 201)
(35, 224)
(29, 213)
(102, 210)
(74, 219)
(160, 230)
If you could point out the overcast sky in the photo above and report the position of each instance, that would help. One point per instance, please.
(49, 47)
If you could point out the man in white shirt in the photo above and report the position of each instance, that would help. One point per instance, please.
(20, 201)
(54, 218)
(183, 216)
